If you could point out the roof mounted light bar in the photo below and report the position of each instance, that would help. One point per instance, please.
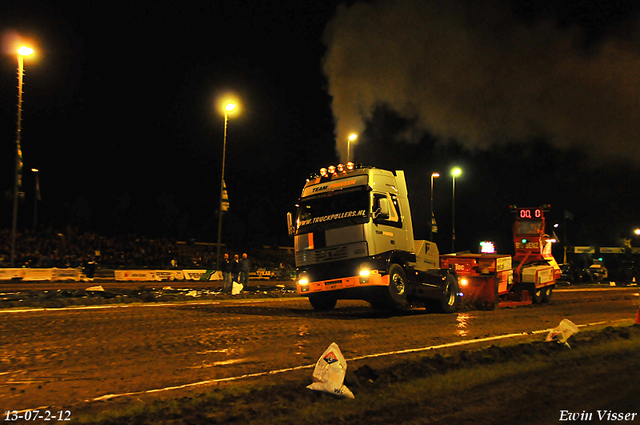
(336, 170)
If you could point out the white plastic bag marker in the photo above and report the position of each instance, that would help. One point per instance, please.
(328, 375)
(565, 329)
(236, 288)
(95, 288)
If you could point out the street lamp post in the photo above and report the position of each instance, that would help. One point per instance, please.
(22, 52)
(36, 197)
(433, 217)
(352, 138)
(227, 108)
(454, 173)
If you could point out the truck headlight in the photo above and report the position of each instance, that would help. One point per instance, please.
(303, 281)
(364, 275)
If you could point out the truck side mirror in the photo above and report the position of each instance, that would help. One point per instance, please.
(290, 226)
(383, 210)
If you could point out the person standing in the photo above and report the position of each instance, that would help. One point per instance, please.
(225, 268)
(235, 269)
(245, 268)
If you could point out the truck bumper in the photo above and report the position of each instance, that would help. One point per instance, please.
(350, 282)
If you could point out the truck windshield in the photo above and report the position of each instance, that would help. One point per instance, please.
(528, 227)
(333, 209)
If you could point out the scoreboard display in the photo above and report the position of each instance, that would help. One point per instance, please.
(530, 213)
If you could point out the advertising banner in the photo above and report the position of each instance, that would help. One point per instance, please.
(170, 274)
(145, 275)
(584, 250)
(66, 274)
(612, 250)
(202, 274)
(8, 274)
(262, 274)
(38, 274)
(56, 274)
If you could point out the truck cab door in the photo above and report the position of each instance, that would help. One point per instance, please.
(386, 222)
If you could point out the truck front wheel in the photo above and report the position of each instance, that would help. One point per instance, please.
(395, 295)
(322, 302)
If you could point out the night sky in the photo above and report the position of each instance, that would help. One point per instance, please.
(537, 102)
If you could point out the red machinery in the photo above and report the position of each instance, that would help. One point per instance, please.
(489, 280)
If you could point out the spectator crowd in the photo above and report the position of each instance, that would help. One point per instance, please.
(74, 249)
(71, 248)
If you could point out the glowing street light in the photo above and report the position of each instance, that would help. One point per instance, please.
(22, 52)
(352, 138)
(433, 217)
(454, 173)
(25, 51)
(228, 107)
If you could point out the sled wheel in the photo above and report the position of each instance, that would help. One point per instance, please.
(546, 294)
(536, 295)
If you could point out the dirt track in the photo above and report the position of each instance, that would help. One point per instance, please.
(63, 358)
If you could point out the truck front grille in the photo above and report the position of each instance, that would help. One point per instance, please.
(334, 253)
